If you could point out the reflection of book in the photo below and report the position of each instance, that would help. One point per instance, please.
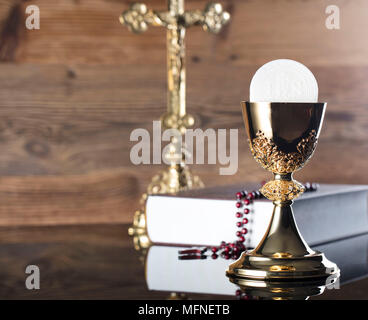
(207, 216)
(165, 272)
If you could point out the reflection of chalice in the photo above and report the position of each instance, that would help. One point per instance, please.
(283, 290)
(282, 139)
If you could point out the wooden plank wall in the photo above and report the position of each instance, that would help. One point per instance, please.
(71, 93)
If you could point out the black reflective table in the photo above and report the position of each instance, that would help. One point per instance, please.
(100, 262)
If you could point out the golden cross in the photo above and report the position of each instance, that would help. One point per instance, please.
(137, 18)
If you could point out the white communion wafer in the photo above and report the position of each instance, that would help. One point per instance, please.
(283, 81)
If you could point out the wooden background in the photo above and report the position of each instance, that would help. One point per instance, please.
(71, 93)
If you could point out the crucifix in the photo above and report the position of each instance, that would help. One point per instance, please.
(176, 20)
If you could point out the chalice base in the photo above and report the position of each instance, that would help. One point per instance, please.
(283, 254)
(313, 266)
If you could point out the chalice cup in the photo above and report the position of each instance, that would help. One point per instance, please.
(282, 138)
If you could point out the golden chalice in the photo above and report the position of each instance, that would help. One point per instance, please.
(282, 138)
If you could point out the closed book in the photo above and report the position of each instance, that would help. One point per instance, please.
(207, 216)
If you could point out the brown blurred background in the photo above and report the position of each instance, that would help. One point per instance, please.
(71, 93)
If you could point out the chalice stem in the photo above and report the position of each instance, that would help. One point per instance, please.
(282, 238)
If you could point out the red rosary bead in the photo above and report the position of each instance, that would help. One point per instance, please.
(246, 202)
(238, 204)
(244, 231)
(238, 215)
(245, 221)
(238, 234)
(214, 249)
(239, 224)
(214, 256)
(246, 210)
(241, 239)
(238, 195)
